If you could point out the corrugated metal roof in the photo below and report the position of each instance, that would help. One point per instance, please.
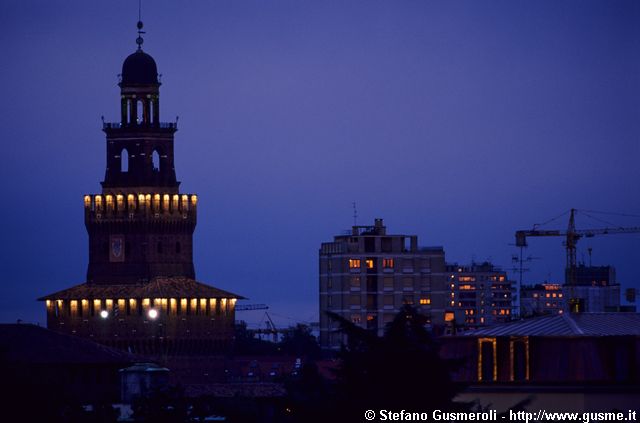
(567, 324)
(160, 287)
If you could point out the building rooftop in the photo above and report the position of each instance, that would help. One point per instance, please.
(161, 287)
(26, 343)
(567, 324)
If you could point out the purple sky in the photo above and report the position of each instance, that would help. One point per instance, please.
(456, 121)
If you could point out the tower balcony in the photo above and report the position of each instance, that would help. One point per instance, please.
(119, 125)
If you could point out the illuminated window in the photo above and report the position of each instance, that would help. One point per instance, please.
(560, 295)
(369, 263)
(501, 278)
(487, 360)
(449, 316)
(535, 295)
(519, 354)
(467, 279)
(354, 263)
(356, 318)
(554, 295)
(467, 287)
(425, 301)
(387, 263)
(547, 295)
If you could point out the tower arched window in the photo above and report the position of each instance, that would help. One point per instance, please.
(151, 117)
(129, 112)
(155, 158)
(124, 160)
(140, 111)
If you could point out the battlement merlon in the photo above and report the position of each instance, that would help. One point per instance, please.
(136, 206)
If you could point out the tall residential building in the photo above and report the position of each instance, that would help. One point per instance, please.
(140, 293)
(366, 276)
(480, 294)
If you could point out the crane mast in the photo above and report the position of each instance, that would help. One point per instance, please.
(572, 236)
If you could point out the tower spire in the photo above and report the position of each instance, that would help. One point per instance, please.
(140, 40)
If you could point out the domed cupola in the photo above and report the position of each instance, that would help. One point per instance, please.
(139, 69)
(139, 88)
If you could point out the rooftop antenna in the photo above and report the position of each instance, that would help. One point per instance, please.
(140, 40)
(355, 214)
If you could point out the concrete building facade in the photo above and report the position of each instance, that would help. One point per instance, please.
(368, 274)
(480, 294)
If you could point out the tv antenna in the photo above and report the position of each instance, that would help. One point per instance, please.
(355, 214)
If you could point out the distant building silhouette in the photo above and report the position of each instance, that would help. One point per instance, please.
(141, 293)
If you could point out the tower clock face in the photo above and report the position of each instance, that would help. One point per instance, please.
(116, 248)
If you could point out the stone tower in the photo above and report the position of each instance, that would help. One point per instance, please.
(140, 227)
(140, 292)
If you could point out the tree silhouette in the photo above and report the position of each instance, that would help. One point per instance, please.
(401, 370)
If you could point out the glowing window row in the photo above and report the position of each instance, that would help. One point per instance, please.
(133, 307)
(158, 202)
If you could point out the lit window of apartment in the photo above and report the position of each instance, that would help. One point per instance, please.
(354, 263)
(369, 263)
(425, 301)
(467, 279)
(355, 318)
(449, 316)
(387, 263)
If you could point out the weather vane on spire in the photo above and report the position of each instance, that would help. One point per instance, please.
(140, 40)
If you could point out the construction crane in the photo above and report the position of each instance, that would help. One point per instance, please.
(248, 307)
(572, 236)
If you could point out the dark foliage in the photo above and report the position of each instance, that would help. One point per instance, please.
(300, 342)
(400, 371)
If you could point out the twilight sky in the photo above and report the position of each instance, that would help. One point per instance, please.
(460, 122)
